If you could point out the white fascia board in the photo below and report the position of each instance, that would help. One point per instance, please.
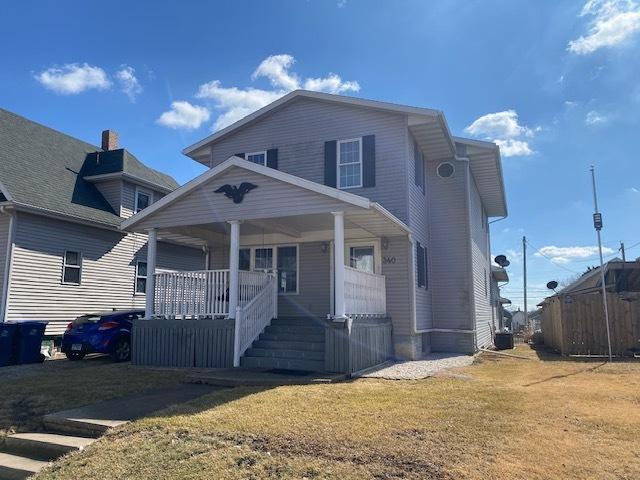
(346, 197)
(392, 107)
(386, 213)
(127, 176)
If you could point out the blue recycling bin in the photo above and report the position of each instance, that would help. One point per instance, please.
(29, 340)
(8, 343)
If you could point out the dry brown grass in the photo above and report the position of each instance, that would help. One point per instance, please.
(521, 419)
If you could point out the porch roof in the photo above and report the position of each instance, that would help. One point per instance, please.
(280, 204)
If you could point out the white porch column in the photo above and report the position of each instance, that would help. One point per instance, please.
(234, 259)
(152, 248)
(338, 263)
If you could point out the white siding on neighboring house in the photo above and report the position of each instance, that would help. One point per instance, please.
(108, 269)
(481, 268)
(299, 131)
(111, 190)
(128, 199)
(418, 222)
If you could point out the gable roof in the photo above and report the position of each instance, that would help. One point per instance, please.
(429, 127)
(346, 197)
(43, 169)
(438, 116)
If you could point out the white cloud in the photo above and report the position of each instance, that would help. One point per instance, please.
(633, 190)
(613, 22)
(184, 115)
(276, 69)
(595, 118)
(235, 103)
(73, 78)
(568, 254)
(504, 129)
(129, 84)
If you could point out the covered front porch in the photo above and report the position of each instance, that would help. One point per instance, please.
(289, 266)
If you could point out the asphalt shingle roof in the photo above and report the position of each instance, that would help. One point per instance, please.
(43, 168)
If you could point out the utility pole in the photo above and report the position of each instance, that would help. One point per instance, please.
(597, 224)
(624, 257)
(524, 263)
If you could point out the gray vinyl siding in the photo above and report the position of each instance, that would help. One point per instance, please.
(418, 222)
(481, 268)
(4, 239)
(449, 247)
(128, 199)
(314, 297)
(271, 199)
(299, 130)
(111, 190)
(452, 342)
(108, 268)
(396, 269)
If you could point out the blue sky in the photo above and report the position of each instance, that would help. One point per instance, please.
(557, 83)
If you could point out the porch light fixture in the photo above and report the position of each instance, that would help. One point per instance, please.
(324, 247)
(385, 243)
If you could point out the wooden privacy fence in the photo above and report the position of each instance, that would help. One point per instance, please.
(575, 324)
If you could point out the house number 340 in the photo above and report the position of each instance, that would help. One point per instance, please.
(387, 260)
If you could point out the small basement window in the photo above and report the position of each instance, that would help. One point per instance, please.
(72, 267)
(258, 157)
(141, 277)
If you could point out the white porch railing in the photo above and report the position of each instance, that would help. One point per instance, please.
(250, 283)
(194, 293)
(364, 293)
(255, 315)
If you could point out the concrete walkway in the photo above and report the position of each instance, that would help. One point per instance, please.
(24, 454)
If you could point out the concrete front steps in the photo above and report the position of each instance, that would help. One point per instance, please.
(289, 343)
(25, 454)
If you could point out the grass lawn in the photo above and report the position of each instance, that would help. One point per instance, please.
(27, 392)
(500, 418)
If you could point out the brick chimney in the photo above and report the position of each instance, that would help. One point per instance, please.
(109, 140)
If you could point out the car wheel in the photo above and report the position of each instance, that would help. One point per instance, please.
(121, 351)
(73, 356)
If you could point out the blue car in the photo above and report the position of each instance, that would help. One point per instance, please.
(106, 332)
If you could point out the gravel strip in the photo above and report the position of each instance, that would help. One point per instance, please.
(427, 367)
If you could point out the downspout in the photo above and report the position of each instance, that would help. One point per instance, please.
(412, 285)
(8, 262)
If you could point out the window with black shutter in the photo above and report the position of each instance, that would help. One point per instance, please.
(420, 264)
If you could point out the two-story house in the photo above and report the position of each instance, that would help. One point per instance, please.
(321, 210)
(62, 253)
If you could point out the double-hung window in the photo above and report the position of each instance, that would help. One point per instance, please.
(257, 157)
(350, 163)
(141, 277)
(143, 199)
(264, 259)
(72, 267)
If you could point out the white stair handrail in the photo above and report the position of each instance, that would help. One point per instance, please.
(252, 318)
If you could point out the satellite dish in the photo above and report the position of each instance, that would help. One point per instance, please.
(506, 264)
(501, 260)
(552, 285)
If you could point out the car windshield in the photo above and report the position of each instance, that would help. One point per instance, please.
(87, 319)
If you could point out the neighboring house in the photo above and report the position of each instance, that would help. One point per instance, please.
(363, 208)
(62, 201)
(518, 321)
(573, 320)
